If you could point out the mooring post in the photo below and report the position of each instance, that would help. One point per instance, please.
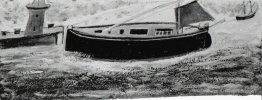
(56, 39)
(63, 27)
(65, 35)
(59, 38)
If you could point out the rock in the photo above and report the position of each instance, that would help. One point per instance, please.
(131, 80)
(12, 72)
(32, 72)
(232, 86)
(155, 86)
(5, 70)
(161, 74)
(259, 79)
(141, 87)
(145, 80)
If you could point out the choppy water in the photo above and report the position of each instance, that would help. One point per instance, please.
(231, 65)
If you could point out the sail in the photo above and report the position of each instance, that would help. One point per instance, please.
(191, 13)
(39, 2)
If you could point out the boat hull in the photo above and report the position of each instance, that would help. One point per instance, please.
(246, 17)
(29, 41)
(135, 48)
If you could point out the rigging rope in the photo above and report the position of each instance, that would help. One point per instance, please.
(96, 15)
(48, 1)
(149, 15)
(140, 14)
(128, 7)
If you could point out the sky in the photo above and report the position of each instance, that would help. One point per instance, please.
(70, 8)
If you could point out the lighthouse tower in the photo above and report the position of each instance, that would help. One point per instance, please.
(36, 19)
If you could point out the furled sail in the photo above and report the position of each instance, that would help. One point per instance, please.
(191, 13)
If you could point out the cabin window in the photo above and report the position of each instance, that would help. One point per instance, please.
(50, 25)
(122, 31)
(98, 31)
(138, 31)
(17, 31)
(4, 33)
(164, 31)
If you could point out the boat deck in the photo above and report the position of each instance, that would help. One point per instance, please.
(136, 30)
(47, 31)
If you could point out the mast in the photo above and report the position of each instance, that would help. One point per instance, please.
(139, 14)
(190, 13)
(250, 6)
(244, 6)
(178, 17)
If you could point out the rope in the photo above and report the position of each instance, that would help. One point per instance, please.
(48, 1)
(100, 14)
(149, 15)
(140, 14)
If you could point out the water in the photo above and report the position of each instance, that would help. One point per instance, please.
(231, 65)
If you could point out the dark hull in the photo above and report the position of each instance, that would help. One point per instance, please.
(246, 17)
(47, 39)
(135, 48)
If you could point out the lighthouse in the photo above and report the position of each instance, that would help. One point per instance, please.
(36, 19)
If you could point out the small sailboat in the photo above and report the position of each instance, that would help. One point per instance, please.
(249, 10)
(144, 40)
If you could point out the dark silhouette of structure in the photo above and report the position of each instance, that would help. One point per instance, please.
(36, 19)
(144, 40)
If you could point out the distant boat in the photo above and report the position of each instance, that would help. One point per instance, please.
(18, 38)
(35, 33)
(143, 40)
(247, 14)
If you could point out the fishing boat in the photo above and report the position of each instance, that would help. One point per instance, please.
(249, 11)
(35, 32)
(50, 36)
(143, 40)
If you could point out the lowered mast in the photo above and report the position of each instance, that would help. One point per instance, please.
(244, 6)
(178, 17)
(140, 14)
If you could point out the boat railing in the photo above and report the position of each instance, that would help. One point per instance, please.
(21, 33)
(108, 25)
(160, 7)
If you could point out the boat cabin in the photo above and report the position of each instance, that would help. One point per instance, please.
(185, 16)
(146, 29)
(127, 40)
(133, 29)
